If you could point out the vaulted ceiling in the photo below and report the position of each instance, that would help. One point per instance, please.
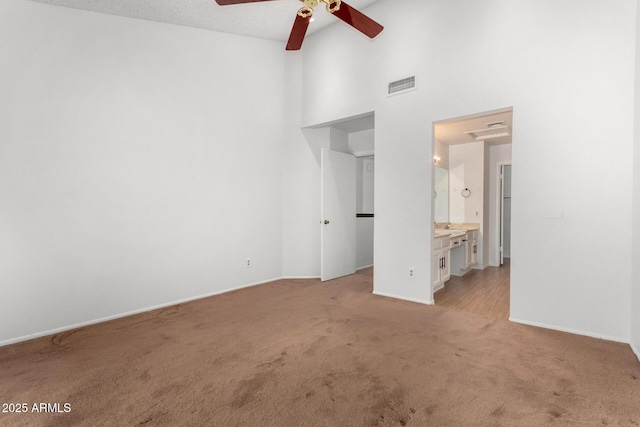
(270, 19)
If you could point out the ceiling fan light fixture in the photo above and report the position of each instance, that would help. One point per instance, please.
(337, 8)
(305, 12)
(332, 5)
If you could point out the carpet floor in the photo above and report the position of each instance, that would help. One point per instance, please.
(306, 353)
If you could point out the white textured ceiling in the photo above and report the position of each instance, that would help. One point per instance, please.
(271, 19)
(453, 132)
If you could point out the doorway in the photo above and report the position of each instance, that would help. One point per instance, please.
(470, 150)
(504, 247)
(347, 160)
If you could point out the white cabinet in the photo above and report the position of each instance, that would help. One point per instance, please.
(472, 248)
(463, 259)
(440, 268)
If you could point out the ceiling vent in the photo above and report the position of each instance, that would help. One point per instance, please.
(402, 85)
(495, 124)
(493, 130)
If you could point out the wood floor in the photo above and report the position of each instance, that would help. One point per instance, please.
(483, 292)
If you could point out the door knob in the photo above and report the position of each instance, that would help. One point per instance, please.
(326, 221)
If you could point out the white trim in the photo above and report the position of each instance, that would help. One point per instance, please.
(419, 301)
(362, 268)
(128, 313)
(635, 350)
(499, 212)
(298, 277)
(474, 116)
(364, 153)
(570, 330)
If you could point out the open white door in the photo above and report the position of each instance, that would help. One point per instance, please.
(338, 209)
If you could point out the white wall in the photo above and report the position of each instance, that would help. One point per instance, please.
(635, 300)
(560, 73)
(441, 150)
(365, 171)
(364, 242)
(339, 140)
(368, 187)
(467, 171)
(127, 167)
(365, 174)
(362, 143)
(129, 177)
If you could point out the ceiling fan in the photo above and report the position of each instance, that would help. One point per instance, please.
(338, 8)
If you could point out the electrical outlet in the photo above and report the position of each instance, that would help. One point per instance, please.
(411, 272)
(248, 263)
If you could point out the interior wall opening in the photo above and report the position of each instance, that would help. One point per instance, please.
(471, 213)
(347, 164)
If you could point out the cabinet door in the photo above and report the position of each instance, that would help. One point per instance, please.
(468, 252)
(445, 272)
(435, 271)
(474, 252)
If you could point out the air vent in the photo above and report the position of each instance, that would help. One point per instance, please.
(495, 124)
(402, 85)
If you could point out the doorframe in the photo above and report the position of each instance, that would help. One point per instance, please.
(499, 213)
(497, 224)
(361, 124)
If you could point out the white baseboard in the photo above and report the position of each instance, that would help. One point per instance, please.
(298, 277)
(129, 313)
(419, 301)
(362, 268)
(569, 330)
(635, 350)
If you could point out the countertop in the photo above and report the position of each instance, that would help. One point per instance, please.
(462, 226)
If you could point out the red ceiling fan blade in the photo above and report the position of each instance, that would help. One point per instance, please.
(297, 32)
(227, 2)
(358, 20)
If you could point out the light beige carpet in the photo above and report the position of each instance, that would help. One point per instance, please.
(305, 353)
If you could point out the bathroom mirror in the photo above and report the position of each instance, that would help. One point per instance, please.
(441, 195)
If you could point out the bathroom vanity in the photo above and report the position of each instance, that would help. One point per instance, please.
(440, 261)
(455, 251)
(463, 260)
